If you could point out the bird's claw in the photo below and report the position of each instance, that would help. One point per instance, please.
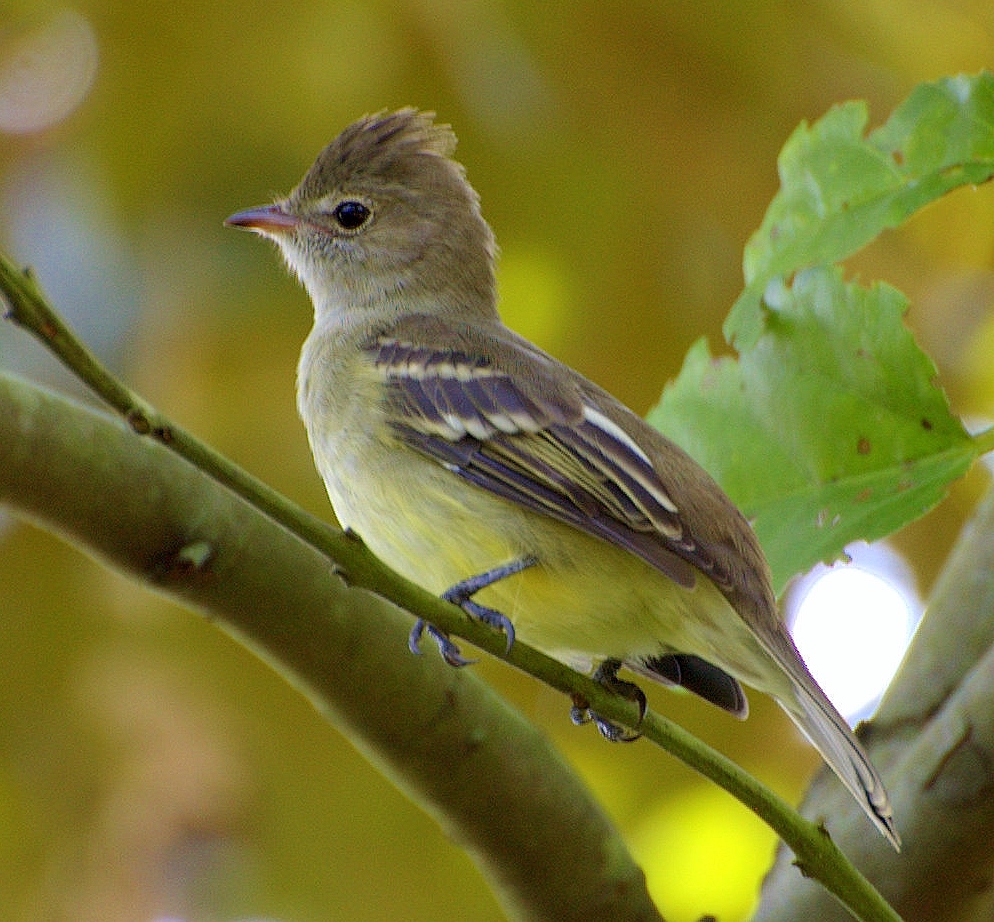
(489, 616)
(607, 675)
(449, 650)
(612, 732)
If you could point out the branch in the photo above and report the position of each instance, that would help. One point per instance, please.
(933, 738)
(493, 782)
(816, 853)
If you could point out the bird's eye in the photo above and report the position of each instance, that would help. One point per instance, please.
(350, 215)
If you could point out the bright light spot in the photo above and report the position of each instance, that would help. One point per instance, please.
(703, 853)
(46, 74)
(852, 627)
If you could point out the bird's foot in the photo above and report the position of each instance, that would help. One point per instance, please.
(449, 650)
(607, 675)
(461, 594)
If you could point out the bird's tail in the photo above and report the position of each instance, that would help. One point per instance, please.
(828, 731)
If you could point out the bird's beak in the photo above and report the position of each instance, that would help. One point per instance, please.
(267, 219)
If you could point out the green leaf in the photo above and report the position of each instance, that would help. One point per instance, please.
(829, 430)
(839, 189)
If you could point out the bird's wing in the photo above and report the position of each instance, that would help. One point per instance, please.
(494, 414)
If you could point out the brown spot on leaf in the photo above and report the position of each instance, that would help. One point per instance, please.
(863, 445)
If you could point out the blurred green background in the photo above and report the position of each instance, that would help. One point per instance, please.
(152, 769)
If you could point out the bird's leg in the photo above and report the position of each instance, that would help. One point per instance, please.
(461, 594)
(607, 675)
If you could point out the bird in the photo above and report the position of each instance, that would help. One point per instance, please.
(489, 473)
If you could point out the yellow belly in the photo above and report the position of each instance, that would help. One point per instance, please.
(586, 600)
